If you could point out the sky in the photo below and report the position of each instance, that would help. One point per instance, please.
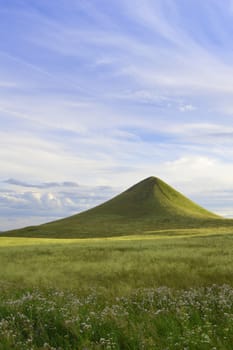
(96, 95)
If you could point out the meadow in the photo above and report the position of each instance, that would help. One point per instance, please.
(171, 289)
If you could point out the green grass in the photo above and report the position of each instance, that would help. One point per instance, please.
(148, 269)
(120, 264)
(148, 206)
(167, 290)
(197, 319)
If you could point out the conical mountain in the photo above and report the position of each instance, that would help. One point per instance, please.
(154, 198)
(149, 205)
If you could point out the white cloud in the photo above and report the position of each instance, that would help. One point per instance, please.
(198, 175)
(25, 205)
(187, 108)
(7, 84)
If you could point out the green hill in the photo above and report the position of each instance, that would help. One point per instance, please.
(150, 205)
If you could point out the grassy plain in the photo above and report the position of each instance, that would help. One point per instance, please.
(148, 269)
(169, 289)
(120, 264)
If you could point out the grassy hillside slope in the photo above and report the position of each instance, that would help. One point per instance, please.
(150, 205)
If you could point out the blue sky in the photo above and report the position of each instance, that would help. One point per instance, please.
(104, 93)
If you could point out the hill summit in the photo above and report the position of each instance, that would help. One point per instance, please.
(154, 198)
(149, 205)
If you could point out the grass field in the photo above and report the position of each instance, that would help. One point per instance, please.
(170, 289)
(148, 269)
(191, 258)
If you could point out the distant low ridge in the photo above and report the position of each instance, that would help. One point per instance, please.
(150, 205)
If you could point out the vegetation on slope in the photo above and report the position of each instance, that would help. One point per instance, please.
(149, 205)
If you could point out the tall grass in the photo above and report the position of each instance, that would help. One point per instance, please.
(195, 319)
(160, 292)
(118, 265)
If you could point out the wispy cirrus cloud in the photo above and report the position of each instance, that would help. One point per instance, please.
(43, 185)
